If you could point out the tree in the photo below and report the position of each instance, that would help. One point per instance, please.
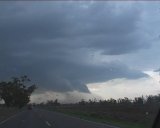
(16, 92)
(82, 102)
(111, 101)
(53, 103)
(139, 100)
(56, 103)
(124, 101)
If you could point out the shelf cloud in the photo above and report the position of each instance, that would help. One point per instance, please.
(54, 43)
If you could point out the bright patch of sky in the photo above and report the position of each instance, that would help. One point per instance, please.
(120, 88)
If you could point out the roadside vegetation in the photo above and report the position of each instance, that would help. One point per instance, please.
(15, 94)
(124, 112)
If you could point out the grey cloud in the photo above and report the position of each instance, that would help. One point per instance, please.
(61, 75)
(157, 70)
(67, 21)
(50, 43)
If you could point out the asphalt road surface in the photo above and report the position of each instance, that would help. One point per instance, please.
(38, 118)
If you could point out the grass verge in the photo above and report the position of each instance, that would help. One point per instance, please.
(106, 120)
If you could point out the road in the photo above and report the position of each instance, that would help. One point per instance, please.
(38, 118)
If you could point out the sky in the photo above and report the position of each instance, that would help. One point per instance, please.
(86, 49)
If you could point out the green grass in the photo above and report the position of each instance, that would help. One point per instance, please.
(106, 120)
(110, 121)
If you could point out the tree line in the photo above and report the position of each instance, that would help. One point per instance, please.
(147, 100)
(17, 92)
(143, 100)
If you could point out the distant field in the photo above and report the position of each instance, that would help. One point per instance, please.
(123, 116)
(7, 112)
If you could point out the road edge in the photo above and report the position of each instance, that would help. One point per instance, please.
(14, 115)
(98, 123)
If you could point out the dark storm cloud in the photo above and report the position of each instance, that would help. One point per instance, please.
(51, 43)
(157, 70)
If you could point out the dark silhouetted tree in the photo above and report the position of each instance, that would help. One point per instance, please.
(138, 100)
(56, 103)
(16, 92)
(53, 103)
(82, 102)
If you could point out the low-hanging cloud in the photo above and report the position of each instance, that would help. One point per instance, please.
(52, 43)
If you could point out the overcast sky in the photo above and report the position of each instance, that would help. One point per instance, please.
(85, 47)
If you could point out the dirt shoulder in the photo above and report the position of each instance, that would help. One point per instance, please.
(7, 112)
